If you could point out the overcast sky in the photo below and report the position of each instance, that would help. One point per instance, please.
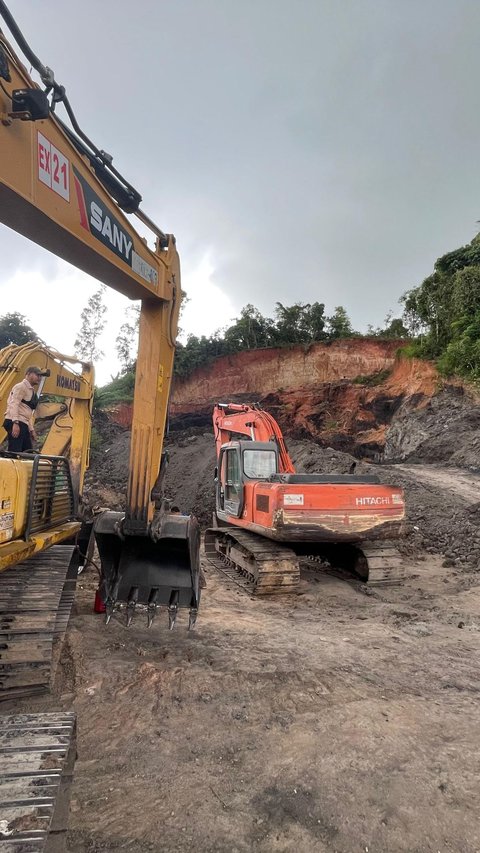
(317, 150)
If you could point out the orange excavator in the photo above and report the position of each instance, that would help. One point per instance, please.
(268, 517)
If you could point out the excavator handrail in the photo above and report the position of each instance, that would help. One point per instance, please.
(58, 380)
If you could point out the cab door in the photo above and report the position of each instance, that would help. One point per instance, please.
(230, 486)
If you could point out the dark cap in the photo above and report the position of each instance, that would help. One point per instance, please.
(33, 369)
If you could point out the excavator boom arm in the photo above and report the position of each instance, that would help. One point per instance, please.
(58, 190)
(230, 419)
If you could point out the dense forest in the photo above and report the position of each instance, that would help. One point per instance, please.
(441, 321)
(295, 324)
(443, 313)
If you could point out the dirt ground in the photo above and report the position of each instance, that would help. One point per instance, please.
(339, 719)
(334, 721)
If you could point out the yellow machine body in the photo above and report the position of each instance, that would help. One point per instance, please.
(16, 542)
(62, 213)
(63, 376)
(15, 476)
(40, 493)
(59, 190)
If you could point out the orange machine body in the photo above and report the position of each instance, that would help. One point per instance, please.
(257, 489)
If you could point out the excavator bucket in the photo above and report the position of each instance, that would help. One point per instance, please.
(149, 572)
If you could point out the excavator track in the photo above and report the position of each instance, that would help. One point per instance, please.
(36, 599)
(37, 754)
(260, 566)
(379, 564)
(372, 563)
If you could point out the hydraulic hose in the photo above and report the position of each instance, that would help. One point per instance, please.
(127, 197)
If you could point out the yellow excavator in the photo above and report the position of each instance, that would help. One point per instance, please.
(39, 508)
(60, 190)
(40, 492)
(40, 497)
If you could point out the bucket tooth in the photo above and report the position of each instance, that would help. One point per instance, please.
(110, 601)
(173, 609)
(152, 606)
(192, 618)
(131, 605)
(151, 613)
(172, 616)
(109, 608)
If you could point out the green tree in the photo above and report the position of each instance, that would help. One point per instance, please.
(291, 324)
(93, 324)
(339, 325)
(462, 355)
(300, 323)
(393, 329)
(126, 340)
(198, 352)
(444, 312)
(250, 331)
(14, 329)
(466, 291)
(316, 320)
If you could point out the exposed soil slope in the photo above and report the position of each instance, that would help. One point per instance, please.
(446, 429)
(344, 394)
(264, 370)
(355, 395)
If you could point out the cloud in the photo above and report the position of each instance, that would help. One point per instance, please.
(53, 304)
(323, 152)
(207, 308)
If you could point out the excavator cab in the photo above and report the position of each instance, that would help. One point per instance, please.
(40, 493)
(242, 462)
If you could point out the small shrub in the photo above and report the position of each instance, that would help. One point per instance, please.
(120, 390)
(372, 379)
(95, 439)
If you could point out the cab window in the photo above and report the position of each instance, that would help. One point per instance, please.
(259, 464)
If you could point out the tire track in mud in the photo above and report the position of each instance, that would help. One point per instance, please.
(443, 514)
(456, 482)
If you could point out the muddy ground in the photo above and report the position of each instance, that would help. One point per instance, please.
(334, 720)
(339, 719)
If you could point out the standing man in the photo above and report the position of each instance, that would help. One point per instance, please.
(22, 402)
